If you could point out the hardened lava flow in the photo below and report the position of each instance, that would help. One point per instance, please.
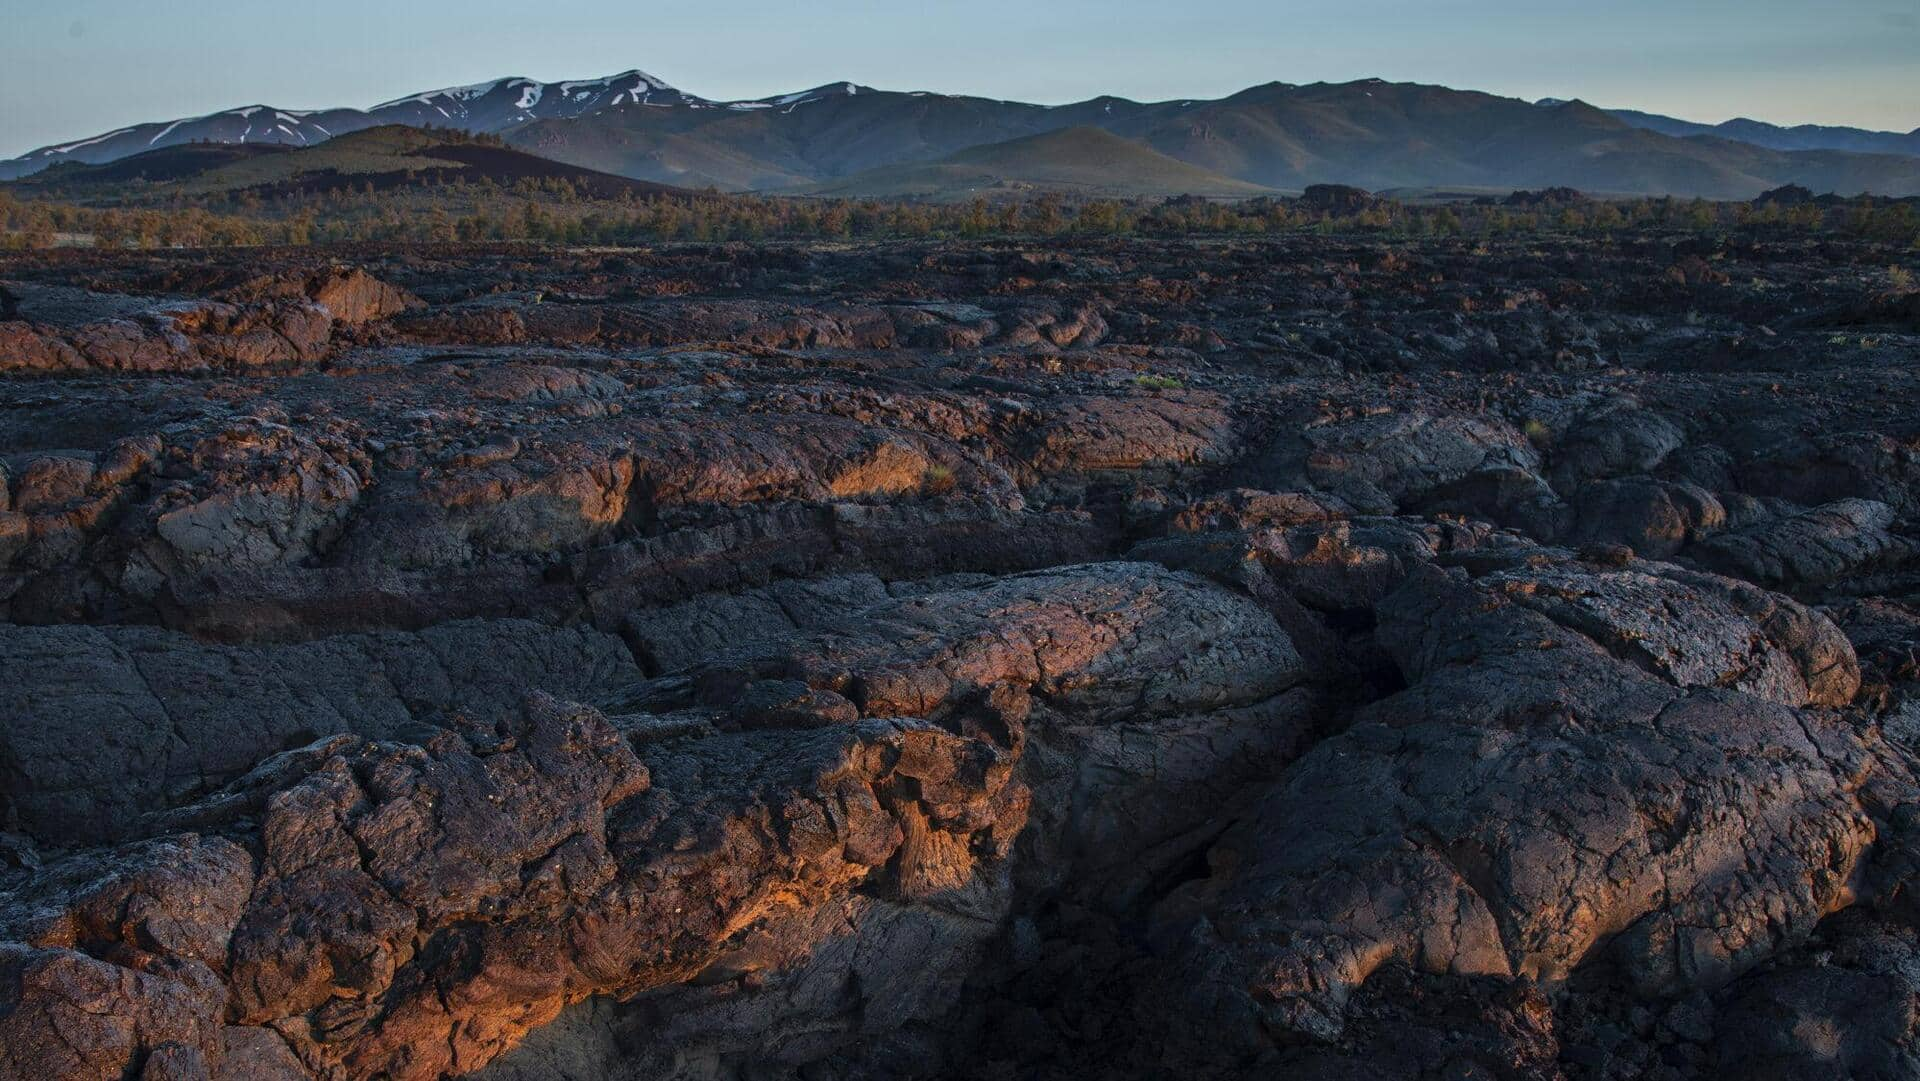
(1323, 657)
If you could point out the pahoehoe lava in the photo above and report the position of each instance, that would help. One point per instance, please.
(1327, 656)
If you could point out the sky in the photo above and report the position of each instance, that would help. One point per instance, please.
(76, 68)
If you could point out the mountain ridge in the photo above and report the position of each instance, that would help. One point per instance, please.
(1782, 137)
(490, 106)
(388, 156)
(1369, 133)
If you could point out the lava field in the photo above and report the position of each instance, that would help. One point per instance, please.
(1320, 657)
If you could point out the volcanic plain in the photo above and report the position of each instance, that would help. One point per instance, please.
(1327, 656)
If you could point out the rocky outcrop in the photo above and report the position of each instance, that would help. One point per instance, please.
(351, 295)
(167, 719)
(1847, 543)
(1694, 830)
(405, 907)
(1842, 1009)
(1387, 460)
(1331, 657)
(160, 335)
(272, 322)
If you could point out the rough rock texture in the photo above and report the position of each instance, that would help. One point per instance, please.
(55, 328)
(403, 910)
(1327, 657)
(1847, 544)
(166, 718)
(1691, 832)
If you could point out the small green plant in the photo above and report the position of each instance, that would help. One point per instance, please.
(1158, 382)
(938, 480)
(1900, 278)
(1537, 432)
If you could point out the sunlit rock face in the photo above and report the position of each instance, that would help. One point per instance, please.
(1327, 657)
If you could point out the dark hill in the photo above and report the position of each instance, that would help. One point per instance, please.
(1082, 160)
(156, 166)
(383, 158)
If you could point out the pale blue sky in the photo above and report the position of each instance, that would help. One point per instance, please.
(77, 67)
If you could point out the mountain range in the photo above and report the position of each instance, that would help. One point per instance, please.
(848, 139)
(1776, 137)
(383, 158)
(489, 107)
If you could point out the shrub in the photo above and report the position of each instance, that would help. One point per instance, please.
(938, 480)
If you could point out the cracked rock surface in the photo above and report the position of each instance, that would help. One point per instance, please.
(1330, 657)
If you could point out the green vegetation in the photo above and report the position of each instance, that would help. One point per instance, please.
(938, 480)
(559, 210)
(374, 152)
(1158, 382)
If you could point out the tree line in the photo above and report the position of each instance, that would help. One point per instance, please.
(554, 210)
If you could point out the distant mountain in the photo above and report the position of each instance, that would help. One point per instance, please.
(798, 140)
(1776, 137)
(387, 157)
(1368, 133)
(488, 107)
(1079, 160)
(1376, 135)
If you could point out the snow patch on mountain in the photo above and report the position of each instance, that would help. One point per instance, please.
(454, 93)
(164, 131)
(70, 147)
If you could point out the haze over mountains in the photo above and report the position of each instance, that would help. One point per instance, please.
(1776, 137)
(848, 139)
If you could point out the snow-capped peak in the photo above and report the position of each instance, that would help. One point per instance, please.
(634, 83)
(495, 105)
(802, 97)
(518, 100)
(457, 93)
(634, 75)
